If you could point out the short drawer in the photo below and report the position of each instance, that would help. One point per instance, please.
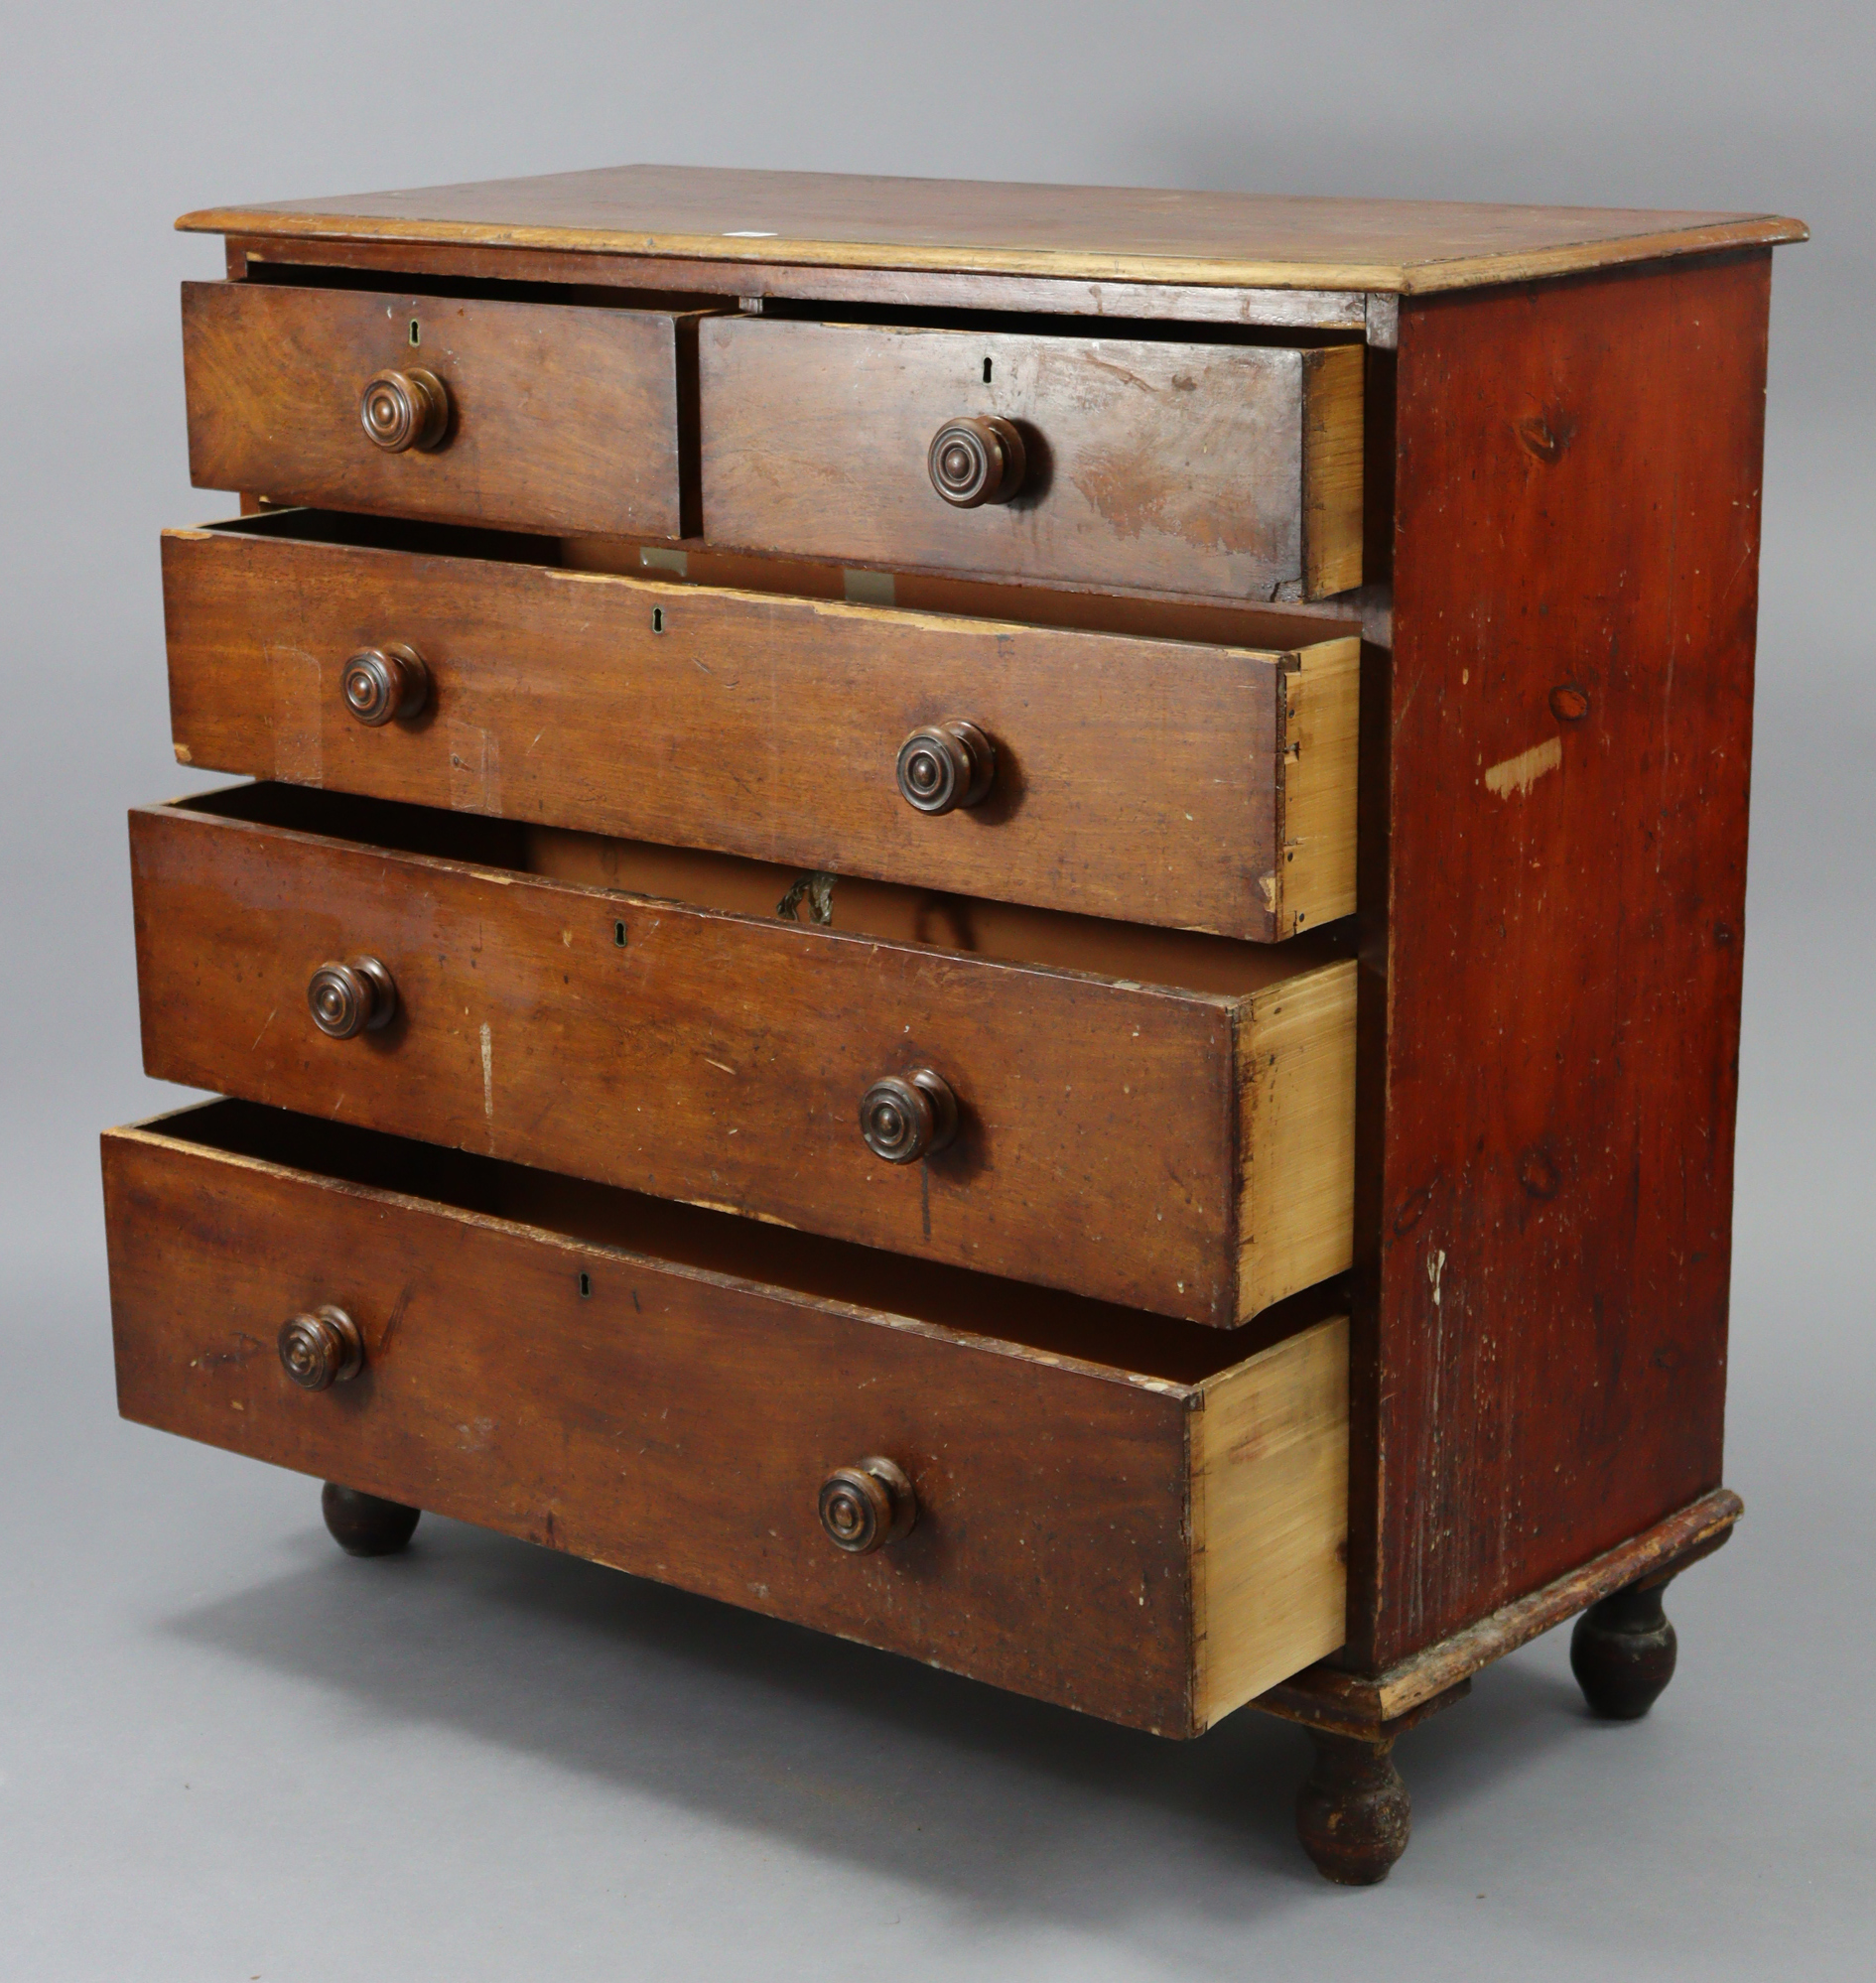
(1222, 470)
(1135, 1519)
(538, 416)
(1174, 777)
(1148, 1116)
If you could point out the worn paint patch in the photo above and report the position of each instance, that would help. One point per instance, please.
(488, 1072)
(1516, 776)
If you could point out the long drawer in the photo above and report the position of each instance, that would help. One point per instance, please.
(1173, 770)
(1154, 1118)
(1135, 1519)
(536, 415)
(1226, 469)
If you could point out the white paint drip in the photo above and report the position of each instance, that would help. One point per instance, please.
(1516, 776)
(1435, 1266)
(488, 1073)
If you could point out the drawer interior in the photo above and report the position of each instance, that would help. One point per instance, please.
(1007, 932)
(693, 562)
(804, 1264)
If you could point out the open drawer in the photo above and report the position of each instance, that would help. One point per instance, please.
(538, 415)
(1186, 765)
(1137, 1519)
(1170, 462)
(1145, 1115)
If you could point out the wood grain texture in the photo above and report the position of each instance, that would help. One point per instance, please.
(719, 1057)
(1316, 879)
(565, 416)
(1151, 462)
(676, 1422)
(1090, 232)
(1296, 1118)
(1143, 778)
(915, 289)
(1269, 1516)
(1575, 594)
(1333, 453)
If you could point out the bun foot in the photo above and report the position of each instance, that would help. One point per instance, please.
(1352, 1814)
(363, 1525)
(1623, 1654)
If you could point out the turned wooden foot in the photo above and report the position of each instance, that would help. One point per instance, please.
(364, 1525)
(1352, 1814)
(1623, 1652)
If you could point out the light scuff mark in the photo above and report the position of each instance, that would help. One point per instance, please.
(1516, 775)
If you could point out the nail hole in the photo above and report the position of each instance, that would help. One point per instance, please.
(618, 935)
(416, 333)
(657, 620)
(987, 369)
(586, 1285)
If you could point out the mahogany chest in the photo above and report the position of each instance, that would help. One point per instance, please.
(1005, 918)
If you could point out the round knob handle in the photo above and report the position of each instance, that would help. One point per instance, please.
(904, 1116)
(356, 997)
(977, 460)
(865, 1508)
(947, 765)
(385, 682)
(322, 1349)
(402, 410)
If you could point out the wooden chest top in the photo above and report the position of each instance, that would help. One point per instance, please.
(1158, 235)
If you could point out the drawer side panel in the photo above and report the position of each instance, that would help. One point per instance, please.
(1269, 1516)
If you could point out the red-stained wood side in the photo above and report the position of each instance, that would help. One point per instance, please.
(1576, 578)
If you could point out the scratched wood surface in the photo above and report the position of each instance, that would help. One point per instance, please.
(1575, 576)
(593, 1395)
(718, 1056)
(1152, 234)
(563, 415)
(1156, 779)
(1228, 469)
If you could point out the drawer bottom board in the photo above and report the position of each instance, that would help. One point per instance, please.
(1135, 1517)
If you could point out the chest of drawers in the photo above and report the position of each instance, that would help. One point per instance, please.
(1004, 918)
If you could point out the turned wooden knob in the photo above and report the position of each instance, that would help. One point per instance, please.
(977, 460)
(322, 1349)
(865, 1508)
(385, 682)
(904, 1116)
(400, 410)
(944, 766)
(356, 997)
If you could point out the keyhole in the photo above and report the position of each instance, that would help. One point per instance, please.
(657, 620)
(618, 935)
(586, 1285)
(417, 336)
(986, 366)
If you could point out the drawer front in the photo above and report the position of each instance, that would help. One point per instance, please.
(558, 416)
(678, 1423)
(1183, 1151)
(1226, 471)
(1162, 781)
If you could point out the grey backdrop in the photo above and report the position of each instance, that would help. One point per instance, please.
(226, 1752)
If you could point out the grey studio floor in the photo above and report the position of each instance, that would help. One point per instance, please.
(230, 1755)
